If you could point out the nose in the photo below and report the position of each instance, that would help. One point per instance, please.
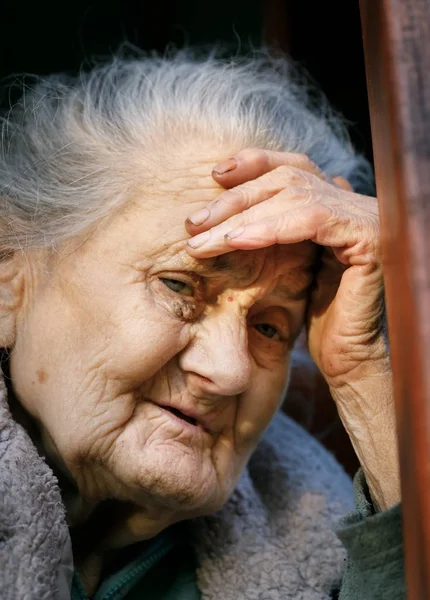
(219, 354)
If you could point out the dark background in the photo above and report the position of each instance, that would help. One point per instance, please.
(46, 36)
(325, 37)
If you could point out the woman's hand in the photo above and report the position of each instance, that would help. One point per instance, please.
(283, 198)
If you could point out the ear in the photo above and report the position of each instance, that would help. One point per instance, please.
(343, 183)
(11, 295)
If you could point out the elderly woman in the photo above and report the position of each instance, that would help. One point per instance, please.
(149, 305)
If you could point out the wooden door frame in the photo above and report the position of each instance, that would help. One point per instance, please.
(396, 37)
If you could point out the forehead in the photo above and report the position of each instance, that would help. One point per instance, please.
(190, 187)
(151, 229)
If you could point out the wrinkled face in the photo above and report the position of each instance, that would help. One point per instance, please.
(153, 375)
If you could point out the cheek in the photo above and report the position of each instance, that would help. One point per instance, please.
(143, 345)
(70, 365)
(258, 405)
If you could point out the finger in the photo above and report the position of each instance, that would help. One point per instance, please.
(254, 162)
(289, 227)
(361, 293)
(286, 200)
(317, 223)
(213, 242)
(250, 194)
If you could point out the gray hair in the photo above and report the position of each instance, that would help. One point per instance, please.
(73, 147)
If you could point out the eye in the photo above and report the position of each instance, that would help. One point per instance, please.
(179, 287)
(268, 331)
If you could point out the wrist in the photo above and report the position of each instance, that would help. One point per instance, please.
(366, 409)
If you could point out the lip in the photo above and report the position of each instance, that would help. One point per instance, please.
(186, 416)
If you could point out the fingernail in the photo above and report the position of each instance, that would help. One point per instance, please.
(225, 167)
(199, 217)
(235, 233)
(199, 240)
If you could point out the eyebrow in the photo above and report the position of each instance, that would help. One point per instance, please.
(294, 295)
(245, 272)
(227, 264)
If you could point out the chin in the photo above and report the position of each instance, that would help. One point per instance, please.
(178, 478)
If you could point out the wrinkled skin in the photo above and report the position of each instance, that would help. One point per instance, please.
(281, 198)
(135, 317)
(122, 322)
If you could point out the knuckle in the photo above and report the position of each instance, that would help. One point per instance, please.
(237, 199)
(305, 179)
(318, 213)
(293, 176)
(283, 170)
(301, 195)
(277, 178)
(306, 195)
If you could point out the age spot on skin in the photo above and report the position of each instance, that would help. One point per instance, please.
(41, 375)
(184, 310)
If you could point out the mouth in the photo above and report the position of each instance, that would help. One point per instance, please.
(181, 415)
(191, 419)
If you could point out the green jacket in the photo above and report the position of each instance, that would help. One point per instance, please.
(165, 568)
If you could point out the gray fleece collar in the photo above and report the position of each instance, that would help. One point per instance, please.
(274, 540)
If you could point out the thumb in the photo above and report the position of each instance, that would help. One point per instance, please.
(254, 162)
(353, 312)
